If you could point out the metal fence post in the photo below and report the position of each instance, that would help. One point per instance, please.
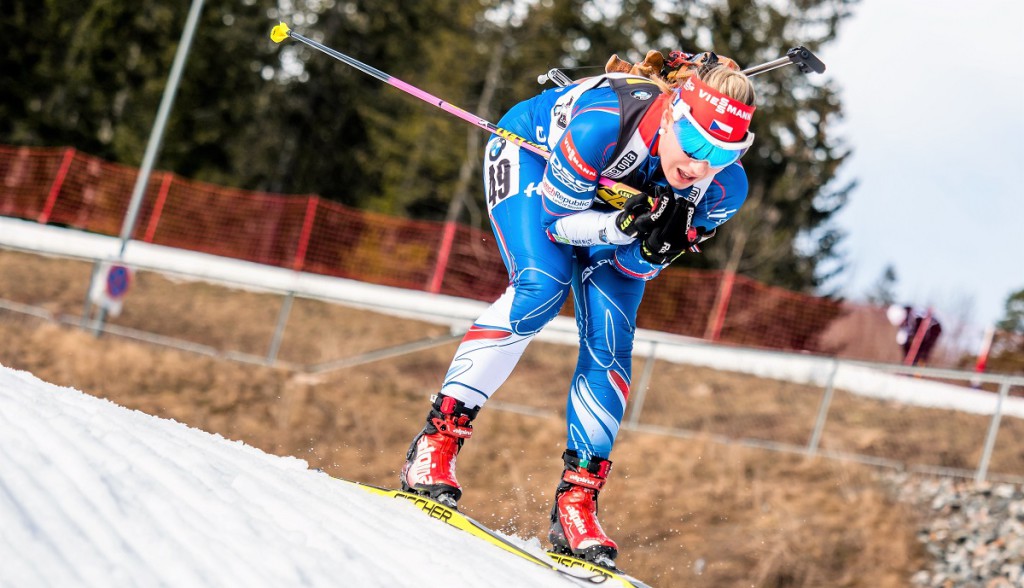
(641, 386)
(154, 142)
(87, 305)
(993, 430)
(282, 320)
(826, 401)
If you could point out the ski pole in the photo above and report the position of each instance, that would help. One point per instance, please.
(799, 56)
(281, 32)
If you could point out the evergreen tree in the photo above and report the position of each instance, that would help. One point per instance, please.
(1007, 353)
(362, 142)
(80, 74)
(782, 235)
(91, 75)
(1013, 315)
(285, 118)
(419, 147)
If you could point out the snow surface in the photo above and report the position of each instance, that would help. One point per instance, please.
(94, 494)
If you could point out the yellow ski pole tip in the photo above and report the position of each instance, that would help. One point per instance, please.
(279, 33)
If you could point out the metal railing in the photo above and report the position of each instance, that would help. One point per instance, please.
(822, 405)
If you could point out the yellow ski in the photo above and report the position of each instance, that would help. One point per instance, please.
(576, 569)
(575, 563)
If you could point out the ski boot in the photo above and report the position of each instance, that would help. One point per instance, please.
(574, 528)
(429, 467)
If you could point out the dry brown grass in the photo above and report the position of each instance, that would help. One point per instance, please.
(685, 512)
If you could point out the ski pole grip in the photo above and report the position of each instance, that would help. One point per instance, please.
(805, 60)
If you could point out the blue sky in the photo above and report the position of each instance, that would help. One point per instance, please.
(934, 100)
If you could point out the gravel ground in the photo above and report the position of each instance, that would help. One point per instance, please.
(974, 534)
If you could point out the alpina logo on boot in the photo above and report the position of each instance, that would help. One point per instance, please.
(420, 470)
(583, 480)
(574, 516)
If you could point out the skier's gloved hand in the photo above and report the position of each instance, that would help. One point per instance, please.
(673, 237)
(642, 213)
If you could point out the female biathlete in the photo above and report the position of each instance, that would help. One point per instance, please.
(677, 134)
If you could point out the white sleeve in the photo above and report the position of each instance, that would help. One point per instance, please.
(902, 336)
(589, 227)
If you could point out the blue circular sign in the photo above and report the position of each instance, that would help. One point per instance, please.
(118, 279)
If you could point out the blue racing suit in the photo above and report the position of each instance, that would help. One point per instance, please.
(554, 232)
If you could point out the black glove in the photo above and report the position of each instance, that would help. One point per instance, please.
(672, 237)
(642, 213)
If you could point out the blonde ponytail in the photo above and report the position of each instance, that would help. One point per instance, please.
(724, 74)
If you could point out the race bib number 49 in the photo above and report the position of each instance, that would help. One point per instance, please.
(502, 173)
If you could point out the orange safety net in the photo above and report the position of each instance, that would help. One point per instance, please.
(68, 188)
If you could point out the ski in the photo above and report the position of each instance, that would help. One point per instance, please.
(578, 570)
(573, 563)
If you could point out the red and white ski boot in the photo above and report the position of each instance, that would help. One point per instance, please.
(574, 529)
(430, 462)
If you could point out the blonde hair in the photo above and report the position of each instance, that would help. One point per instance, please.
(725, 77)
(730, 82)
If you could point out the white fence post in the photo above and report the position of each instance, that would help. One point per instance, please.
(641, 386)
(282, 320)
(826, 401)
(993, 430)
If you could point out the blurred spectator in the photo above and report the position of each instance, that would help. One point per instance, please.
(918, 332)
